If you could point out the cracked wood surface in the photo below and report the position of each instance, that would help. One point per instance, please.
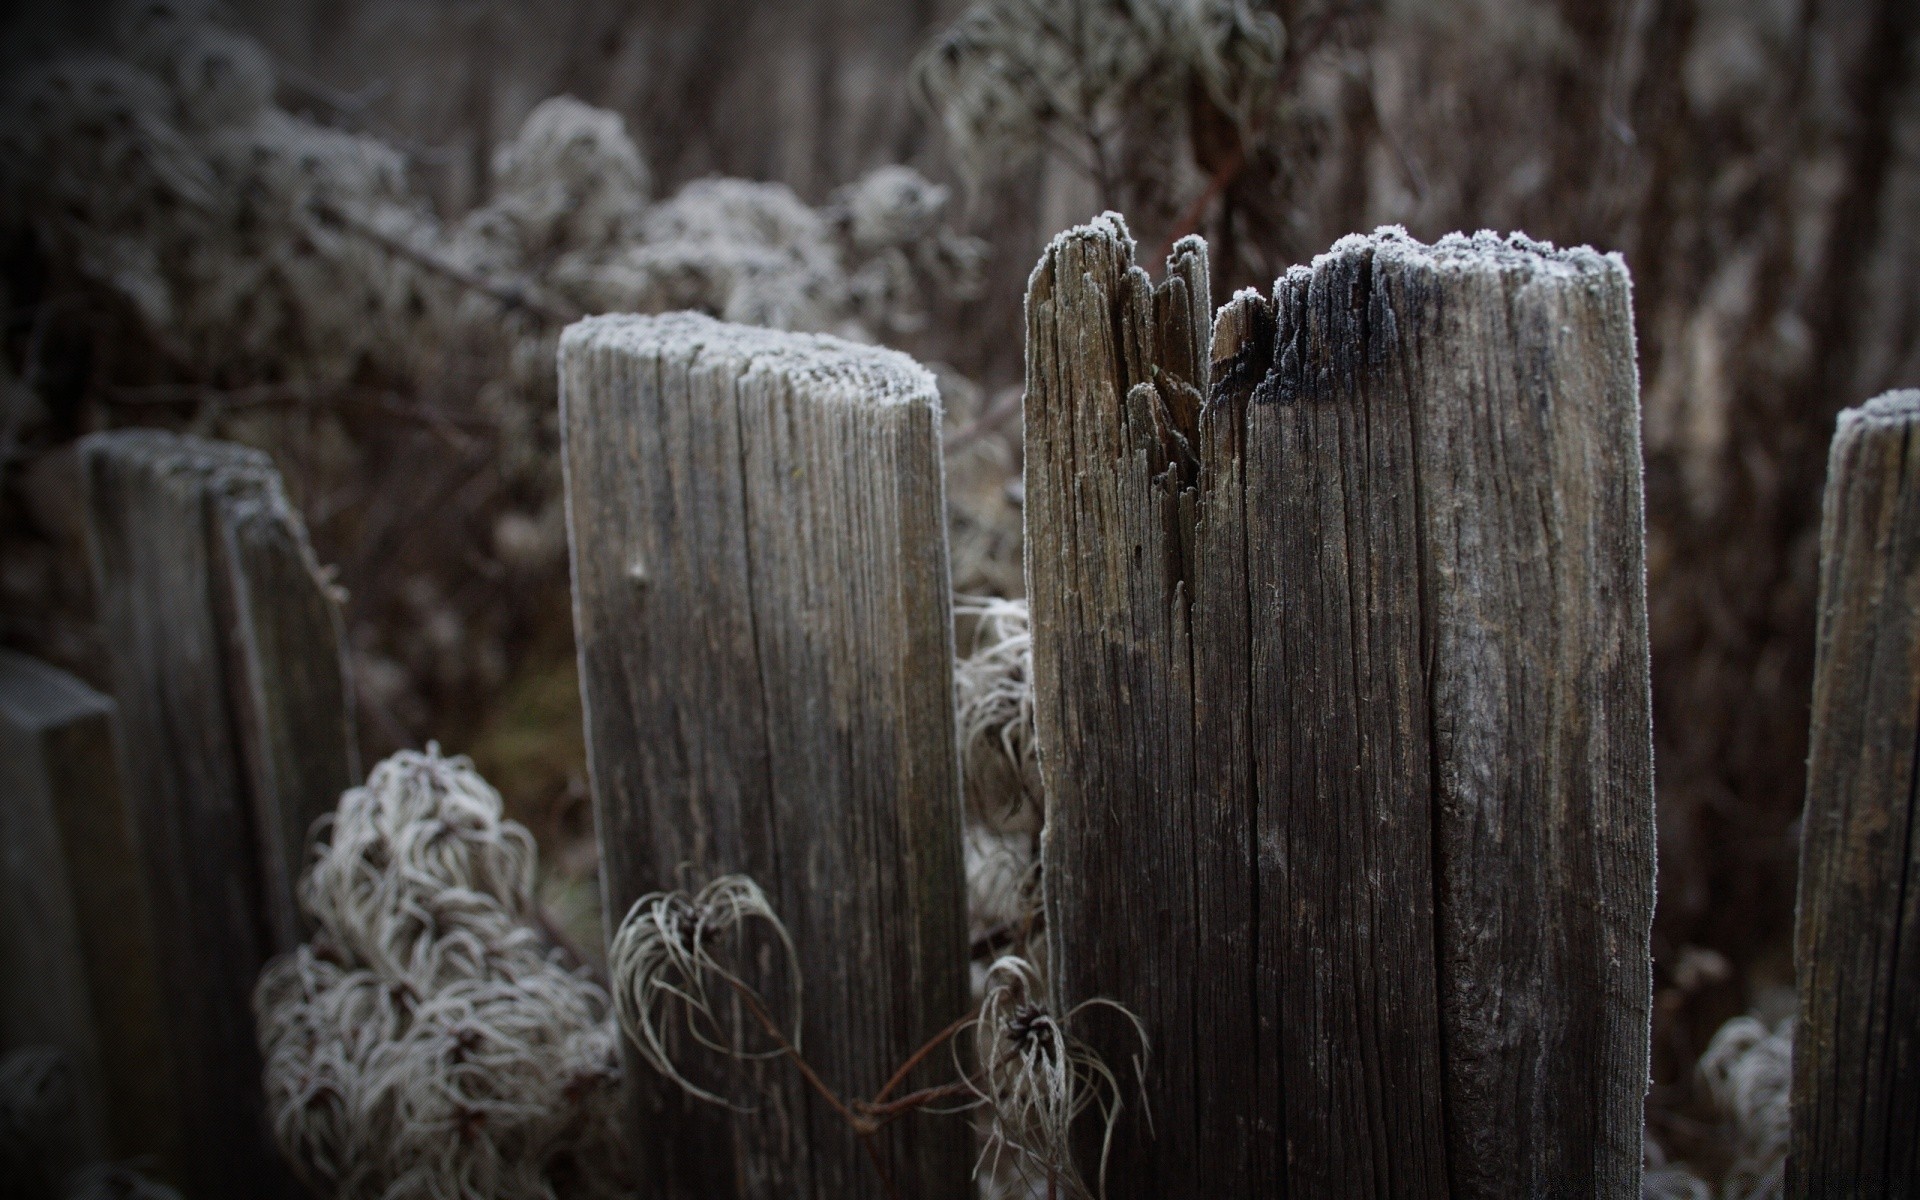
(1856, 1055)
(226, 653)
(1341, 675)
(764, 621)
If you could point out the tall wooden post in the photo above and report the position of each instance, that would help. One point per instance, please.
(1856, 1053)
(77, 967)
(236, 734)
(765, 631)
(1341, 675)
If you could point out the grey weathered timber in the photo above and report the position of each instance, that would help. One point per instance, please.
(761, 602)
(77, 967)
(1856, 1052)
(224, 641)
(1341, 679)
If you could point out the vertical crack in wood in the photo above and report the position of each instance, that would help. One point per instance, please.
(1412, 499)
(1856, 1086)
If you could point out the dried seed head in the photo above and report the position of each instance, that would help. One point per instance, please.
(428, 1041)
(1748, 1070)
(1036, 1077)
(664, 963)
(993, 706)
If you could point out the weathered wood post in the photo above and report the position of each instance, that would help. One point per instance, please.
(1341, 677)
(765, 631)
(225, 646)
(1856, 1052)
(77, 966)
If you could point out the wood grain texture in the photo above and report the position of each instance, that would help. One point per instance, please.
(765, 633)
(1856, 1054)
(224, 643)
(1342, 695)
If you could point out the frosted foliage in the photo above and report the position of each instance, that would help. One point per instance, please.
(1003, 892)
(572, 179)
(255, 244)
(1661, 1180)
(1012, 77)
(180, 189)
(429, 1042)
(1748, 1071)
(993, 705)
(892, 223)
(750, 253)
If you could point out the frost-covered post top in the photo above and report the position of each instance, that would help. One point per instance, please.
(832, 369)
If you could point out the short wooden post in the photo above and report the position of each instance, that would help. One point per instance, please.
(236, 734)
(1856, 1052)
(1341, 677)
(761, 601)
(77, 968)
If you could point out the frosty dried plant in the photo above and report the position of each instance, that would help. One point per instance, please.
(1035, 1077)
(662, 961)
(255, 243)
(571, 179)
(1003, 884)
(1748, 1072)
(993, 705)
(419, 869)
(1013, 78)
(429, 1042)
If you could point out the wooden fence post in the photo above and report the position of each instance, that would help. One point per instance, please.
(77, 967)
(1341, 684)
(236, 734)
(765, 631)
(1856, 1052)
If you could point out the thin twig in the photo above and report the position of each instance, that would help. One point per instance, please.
(514, 293)
(933, 1043)
(752, 1000)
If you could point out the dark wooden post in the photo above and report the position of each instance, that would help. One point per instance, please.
(1856, 1052)
(77, 968)
(1341, 680)
(236, 734)
(761, 601)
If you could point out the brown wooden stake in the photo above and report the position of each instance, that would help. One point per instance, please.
(1856, 1054)
(1341, 679)
(77, 968)
(765, 631)
(225, 646)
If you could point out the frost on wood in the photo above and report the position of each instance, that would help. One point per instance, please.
(429, 1042)
(764, 616)
(1857, 1064)
(1280, 563)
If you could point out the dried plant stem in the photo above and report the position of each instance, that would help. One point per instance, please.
(919, 1056)
(1030, 1069)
